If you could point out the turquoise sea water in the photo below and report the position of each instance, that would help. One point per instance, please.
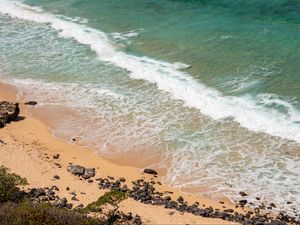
(211, 87)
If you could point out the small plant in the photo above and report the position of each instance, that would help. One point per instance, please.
(111, 198)
(9, 183)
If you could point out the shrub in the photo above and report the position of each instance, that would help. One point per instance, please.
(9, 185)
(27, 213)
(112, 198)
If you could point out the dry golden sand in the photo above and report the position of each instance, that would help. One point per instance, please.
(28, 150)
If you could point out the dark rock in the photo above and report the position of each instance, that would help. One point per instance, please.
(74, 198)
(76, 169)
(56, 156)
(8, 112)
(243, 202)
(80, 206)
(69, 205)
(150, 171)
(63, 202)
(67, 188)
(122, 179)
(243, 194)
(30, 103)
(229, 210)
(180, 199)
(56, 177)
(89, 172)
(277, 222)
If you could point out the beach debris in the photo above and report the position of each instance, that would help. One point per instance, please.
(31, 103)
(76, 169)
(8, 112)
(150, 171)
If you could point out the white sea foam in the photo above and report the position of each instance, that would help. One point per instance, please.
(166, 76)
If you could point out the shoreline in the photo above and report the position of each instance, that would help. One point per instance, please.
(28, 151)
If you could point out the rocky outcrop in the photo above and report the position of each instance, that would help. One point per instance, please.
(8, 112)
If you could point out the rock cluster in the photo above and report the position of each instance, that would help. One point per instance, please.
(39, 195)
(8, 112)
(81, 171)
(145, 192)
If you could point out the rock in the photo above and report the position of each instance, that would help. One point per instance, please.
(56, 177)
(150, 171)
(89, 172)
(243, 194)
(229, 210)
(76, 169)
(74, 198)
(80, 206)
(8, 112)
(30, 103)
(63, 202)
(243, 202)
(56, 156)
(277, 222)
(69, 205)
(122, 179)
(67, 188)
(180, 199)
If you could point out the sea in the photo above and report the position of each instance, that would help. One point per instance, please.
(207, 91)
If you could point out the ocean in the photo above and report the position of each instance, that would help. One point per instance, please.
(206, 91)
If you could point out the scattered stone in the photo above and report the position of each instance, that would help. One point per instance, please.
(74, 198)
(56, 177)
(150, 171)
(180, 199)
(56, 156)
(69, 205)
(243, 194)
(30, 103)
(243, 202)
(67, 188)
(80, 206)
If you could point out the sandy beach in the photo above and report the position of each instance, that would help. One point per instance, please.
(28, 147)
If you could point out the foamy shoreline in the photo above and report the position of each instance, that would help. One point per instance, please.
(28, 151)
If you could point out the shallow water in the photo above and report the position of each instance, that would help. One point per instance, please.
(212, 87)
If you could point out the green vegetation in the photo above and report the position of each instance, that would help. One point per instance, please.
(42, 214)
(9, 183)
(112, 198)
(17, 210)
